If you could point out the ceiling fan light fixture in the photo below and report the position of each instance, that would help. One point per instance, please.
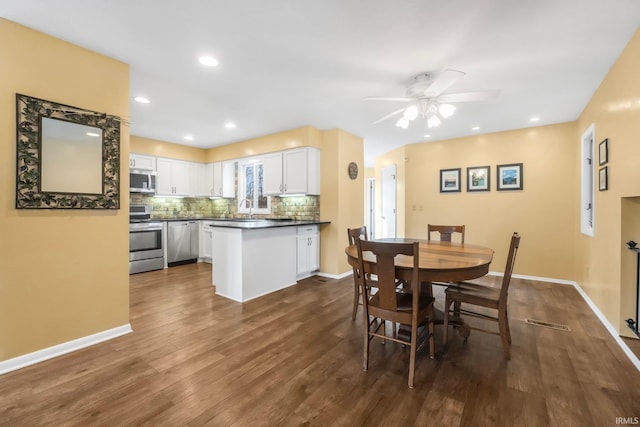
(446, 110)
(403, 123)
(433, 121)
(411, 113)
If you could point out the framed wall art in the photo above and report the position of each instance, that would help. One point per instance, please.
(449, 180)
(603, 151)
(510, 177)
(478, 178)
(603, 176)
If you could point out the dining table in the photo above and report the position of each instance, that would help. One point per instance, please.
(439, 261)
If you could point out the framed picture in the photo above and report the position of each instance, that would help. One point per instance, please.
(510, 177)
(449, 180)
(604, 179)
(478, 178)
(603, 150)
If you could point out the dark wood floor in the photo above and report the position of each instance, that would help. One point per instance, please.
(295, 358)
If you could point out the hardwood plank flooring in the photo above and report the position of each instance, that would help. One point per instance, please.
(294, 357)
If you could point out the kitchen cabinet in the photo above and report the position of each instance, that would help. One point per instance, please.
(141, 161)
(221, 179)
(197, 179)
(206, 231)
(308, 250)
(174, 177)
(295, 171)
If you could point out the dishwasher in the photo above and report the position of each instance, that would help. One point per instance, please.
(182, 242)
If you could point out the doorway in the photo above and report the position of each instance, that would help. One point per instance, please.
(388, 201)
(370, 206)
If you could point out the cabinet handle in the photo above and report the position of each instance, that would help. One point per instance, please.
(285, 188)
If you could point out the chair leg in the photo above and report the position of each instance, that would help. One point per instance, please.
(506, 319)
(502, 323)
(365, 356)
(412, 357)
(432, 340)
(447, 308)
(356, 298)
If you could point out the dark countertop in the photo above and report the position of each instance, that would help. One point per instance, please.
(248, 224)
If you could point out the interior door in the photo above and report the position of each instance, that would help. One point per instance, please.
(388, 201)
(370, 212)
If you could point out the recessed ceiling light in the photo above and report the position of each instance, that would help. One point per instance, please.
(427, 136)
(141, 99)
(534, 119)
(230, 125)
(209, 61)
(188, 137)
(475, 128)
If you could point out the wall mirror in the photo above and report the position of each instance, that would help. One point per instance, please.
(68, 157)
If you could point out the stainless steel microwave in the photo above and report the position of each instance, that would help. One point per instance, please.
(142, 181)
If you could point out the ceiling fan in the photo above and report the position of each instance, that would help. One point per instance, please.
(425, 93)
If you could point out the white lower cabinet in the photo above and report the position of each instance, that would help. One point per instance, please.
(308, 250)
(205, 241)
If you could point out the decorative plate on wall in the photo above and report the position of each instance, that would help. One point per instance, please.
(353, 170)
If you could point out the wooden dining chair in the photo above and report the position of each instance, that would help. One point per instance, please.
(388, 304)
(353, 234)
(445, 231)
(484, 296)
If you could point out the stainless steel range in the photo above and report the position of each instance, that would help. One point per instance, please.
(146, 244)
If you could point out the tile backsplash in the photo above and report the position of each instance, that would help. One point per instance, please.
(301, 208)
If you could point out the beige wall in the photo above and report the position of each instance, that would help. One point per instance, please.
(63, 274)
(615, 111)
(544, 212)
(306, 136)
(154, 147)
(342, 198)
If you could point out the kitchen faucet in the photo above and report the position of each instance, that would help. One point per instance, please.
(250, 206)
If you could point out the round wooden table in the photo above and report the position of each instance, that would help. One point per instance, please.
(439, 261)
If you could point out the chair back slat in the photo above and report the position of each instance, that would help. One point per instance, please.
(360, 232)
(508, 271)
(385, 269)
(446, 231)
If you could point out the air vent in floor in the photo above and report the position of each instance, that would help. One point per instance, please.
(556, 326)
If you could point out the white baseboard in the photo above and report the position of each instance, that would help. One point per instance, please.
(608, 326)
(60, 349)
(334, 276)
(613, 331)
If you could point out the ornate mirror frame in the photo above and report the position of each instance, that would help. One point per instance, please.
(29, 114)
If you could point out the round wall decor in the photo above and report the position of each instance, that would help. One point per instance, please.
(353, 170)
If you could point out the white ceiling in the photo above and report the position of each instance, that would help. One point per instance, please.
(291, 63)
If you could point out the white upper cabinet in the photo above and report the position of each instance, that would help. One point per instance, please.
(141, 161)
(221, 179)
(272, 164)
(174, 177)
(197, 174)
(295, 171)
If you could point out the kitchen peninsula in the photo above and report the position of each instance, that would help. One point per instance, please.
(251, 258)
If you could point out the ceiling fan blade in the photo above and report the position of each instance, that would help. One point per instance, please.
(388, 116)
(383, 98)
(445, 79)
(481, 95)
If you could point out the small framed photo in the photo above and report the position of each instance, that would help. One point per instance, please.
(510, 177)
(604, 178)
(603, 151)
(449, 180)
(478, 178)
